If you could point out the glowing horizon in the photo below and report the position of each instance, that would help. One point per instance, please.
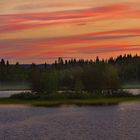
(39, 31)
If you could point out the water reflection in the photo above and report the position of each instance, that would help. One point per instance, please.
(133, 91)
(8, 93)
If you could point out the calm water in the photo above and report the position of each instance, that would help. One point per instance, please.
(120, 122)
(133, 91)
(8, 93)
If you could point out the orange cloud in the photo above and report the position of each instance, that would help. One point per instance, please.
(15, 22)
(85, 44)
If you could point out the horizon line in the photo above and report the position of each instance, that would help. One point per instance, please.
(69, 58)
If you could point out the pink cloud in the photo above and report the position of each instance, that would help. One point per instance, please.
(106, 48)
(24, 21)
(29, 49)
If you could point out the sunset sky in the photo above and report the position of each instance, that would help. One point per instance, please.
(43, 30)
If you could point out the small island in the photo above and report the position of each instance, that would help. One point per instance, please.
(73, 82)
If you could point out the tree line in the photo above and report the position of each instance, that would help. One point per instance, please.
(74, 75)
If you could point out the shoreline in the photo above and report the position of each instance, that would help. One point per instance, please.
(102, 101)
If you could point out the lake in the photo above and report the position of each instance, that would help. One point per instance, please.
(8, 93)
(120, 122)
(133, 91)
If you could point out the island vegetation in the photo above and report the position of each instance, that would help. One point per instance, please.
(73, 81)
